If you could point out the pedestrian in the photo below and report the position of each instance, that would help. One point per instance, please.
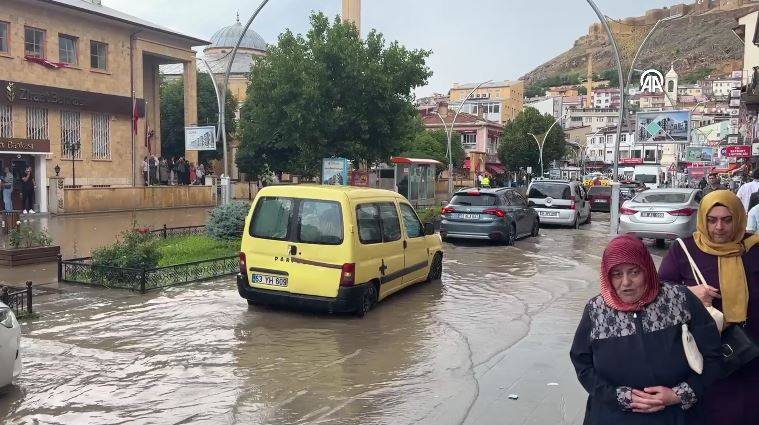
(193, 174)
(628, 351)
(702, 183)
(145, 170)
(163, 172)
(752, 224)
(201, 171)
(7, 185)
(478, 180)
(485, 181)
(714, 184)
(27, 190)
(153, 169)
(181, 171)
(729, 262)
(748, 189)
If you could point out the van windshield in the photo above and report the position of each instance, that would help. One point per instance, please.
(550, 190)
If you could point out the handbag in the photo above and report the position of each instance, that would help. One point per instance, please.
(737, 347)
(692, 354)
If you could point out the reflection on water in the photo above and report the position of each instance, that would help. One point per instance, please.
(199, 354)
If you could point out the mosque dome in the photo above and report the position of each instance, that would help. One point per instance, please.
(227, 37)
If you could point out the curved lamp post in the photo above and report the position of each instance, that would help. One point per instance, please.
(542, 143)
(449, 134)
(218, 104)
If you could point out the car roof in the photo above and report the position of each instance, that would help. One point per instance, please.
(492, 190)
(671, 190)
(554, 181)
(327, 192)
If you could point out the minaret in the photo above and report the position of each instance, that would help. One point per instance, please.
(352, 12)
(589, 87)
(670, 86)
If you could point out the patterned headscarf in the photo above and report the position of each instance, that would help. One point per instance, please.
(628, 249)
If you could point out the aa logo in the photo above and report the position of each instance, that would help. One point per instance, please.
(652, 81)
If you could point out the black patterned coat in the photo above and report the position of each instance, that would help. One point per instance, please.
(615, 352)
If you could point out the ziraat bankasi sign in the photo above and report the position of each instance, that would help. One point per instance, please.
(24, 145)
(14, 92)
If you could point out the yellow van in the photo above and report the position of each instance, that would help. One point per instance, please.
(334, 248)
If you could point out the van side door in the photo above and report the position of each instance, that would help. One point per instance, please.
(380, 244)
(415, 246)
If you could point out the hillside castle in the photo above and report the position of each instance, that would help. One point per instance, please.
(654, 15)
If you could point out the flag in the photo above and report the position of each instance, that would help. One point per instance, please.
(135, 115)
(45, 62)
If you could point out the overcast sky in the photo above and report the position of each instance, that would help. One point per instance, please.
(472, 41)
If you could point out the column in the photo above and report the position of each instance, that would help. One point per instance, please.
(40, 176)
(190, 102)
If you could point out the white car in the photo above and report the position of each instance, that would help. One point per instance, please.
(10, 340)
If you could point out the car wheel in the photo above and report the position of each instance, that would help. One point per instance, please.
(436, 269)
(511, 238)
(535, 229)
(368, 300)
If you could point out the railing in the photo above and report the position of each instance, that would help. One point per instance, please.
(82, 270)
(19, 301)
(165, 232)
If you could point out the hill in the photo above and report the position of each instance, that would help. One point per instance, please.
(700, 43)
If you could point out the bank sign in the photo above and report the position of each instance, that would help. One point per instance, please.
(24, 145)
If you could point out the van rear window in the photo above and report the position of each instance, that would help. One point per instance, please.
(271, 219)
(479, 200)
(550, 190)
(321, 222)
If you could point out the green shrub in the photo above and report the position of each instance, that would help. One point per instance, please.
(26, 236)
(227, 221)
(135, 250)
(429, 215)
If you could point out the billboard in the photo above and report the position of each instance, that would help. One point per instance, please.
(738, 151)
(335, 171)
(699, 154)
(663, 127)
(200, 138)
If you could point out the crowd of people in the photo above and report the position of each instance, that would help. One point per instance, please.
(26, 185)
(172, 171)
(677, 346)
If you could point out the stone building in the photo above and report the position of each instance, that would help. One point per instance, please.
(76, 74)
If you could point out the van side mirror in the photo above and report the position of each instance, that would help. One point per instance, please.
(429, 229)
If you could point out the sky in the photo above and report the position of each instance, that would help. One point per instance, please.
(472, 41)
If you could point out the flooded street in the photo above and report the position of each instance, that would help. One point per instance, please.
(448, 352)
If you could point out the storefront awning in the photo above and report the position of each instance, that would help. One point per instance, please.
(496, 168)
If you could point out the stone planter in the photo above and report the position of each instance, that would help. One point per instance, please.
(12, 257)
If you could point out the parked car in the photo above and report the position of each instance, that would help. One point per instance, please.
(333, 248)
(661, 214)
(599, 198)
(10, 340)
(562, 202)
(490, 214)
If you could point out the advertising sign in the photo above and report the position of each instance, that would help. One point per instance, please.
(335, 171)
(665, 127)
(200, 138)
(360, 178)
(699, 154)
(738, 151)
(736, 75)
(755, 149)
(631, 161)
(735, 112)
(735, 103)
(735, 122)
(732, 139)
(735, 93)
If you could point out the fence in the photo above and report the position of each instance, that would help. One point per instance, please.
(81, 270)
(19, 301)
(165, 232)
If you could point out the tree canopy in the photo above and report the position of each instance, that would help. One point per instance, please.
(434, 145)
(172, 114)
(329, 93)
(519, 149)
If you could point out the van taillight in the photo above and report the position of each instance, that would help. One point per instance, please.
(243, 264)
(348, 274)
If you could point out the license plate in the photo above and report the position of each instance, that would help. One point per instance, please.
(469, 216)
(265, 279)
(549, 213)
(652, 214)
(602, 201)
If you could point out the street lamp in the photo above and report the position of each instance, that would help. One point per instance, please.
(542, 143)
(449, 134)
(73, 150)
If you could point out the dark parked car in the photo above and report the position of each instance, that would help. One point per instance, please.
(599, 198)
(498, 214)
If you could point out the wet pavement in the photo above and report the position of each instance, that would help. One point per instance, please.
(499, 322)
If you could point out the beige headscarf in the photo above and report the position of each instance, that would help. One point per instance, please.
(732, 276)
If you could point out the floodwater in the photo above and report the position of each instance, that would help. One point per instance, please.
(500, 322)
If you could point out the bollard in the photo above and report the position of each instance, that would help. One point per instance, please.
(614, 209)
(143, 280)
(60, 268)
(29, 296)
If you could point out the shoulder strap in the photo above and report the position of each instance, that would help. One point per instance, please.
(697, 276)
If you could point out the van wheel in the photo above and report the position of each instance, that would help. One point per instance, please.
(436, 269)
(368, 301)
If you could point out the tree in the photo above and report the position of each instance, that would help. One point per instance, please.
(582, 90)
(518, 149)
(172, 115)
(329, 93)
(434, 145)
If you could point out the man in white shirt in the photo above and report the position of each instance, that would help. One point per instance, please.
(753, 220)
(748, 189)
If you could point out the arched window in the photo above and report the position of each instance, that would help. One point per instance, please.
(671, 86)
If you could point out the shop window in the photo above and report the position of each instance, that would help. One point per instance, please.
(4, 45)
(36, 123)
(71, 135)
(67, 49)
(34, 42)
(101, 136)
(98, 55)
(6, 120)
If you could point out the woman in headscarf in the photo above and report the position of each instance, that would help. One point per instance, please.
(628, 350)
(728, 258)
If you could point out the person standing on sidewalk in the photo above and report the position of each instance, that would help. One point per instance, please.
(7, 185)
(628, 351)
(748, 189)
(728, 259)
(145, 170)
(163, 172)
(27, 189)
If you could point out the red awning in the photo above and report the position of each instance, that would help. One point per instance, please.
(418, 161)
(496, 168)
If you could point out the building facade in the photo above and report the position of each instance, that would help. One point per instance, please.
(596, 118)
(606, 98)
(80, 91)
(499, 101)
